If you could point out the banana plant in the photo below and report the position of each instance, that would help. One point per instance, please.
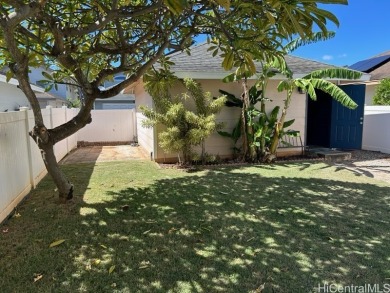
(235, 135)
(310, 83)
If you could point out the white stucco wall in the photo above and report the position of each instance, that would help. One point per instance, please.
(370, 92)
(216, 144)
(11, 97)
(145, 136)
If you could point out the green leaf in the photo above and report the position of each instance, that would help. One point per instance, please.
(231, 100)
(230, 78)
(228, 60)
(225, 134)
(339, 73)
(273, 116)
(176, 6)
(56, 243)
(48, 87)
(9, 75)
(313, 38)
(334, 91)
(236, 134)
(47, 75)
(288, 123)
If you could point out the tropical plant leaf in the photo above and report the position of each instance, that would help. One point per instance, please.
(236, 134)
(288, 123)
(273, 116)
(339, 73)
(279, 64)
(225, 134)
(229, 78)
(314, 38)
(231, 100)
(334, 91)
(284, 85)
(228, 60)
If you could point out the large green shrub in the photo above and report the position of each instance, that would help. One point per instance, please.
(382, 93)
(184, 128)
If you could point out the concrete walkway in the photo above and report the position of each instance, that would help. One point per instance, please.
(104, 154)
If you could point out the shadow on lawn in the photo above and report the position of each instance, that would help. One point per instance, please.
(228, 231)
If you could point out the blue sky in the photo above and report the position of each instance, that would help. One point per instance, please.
(364, 31)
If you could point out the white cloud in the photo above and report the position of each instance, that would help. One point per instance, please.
(327, 57)
(342, 55)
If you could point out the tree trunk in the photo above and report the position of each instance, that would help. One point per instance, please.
(203, 154)
(248, 147)
(279, 124)
(43, 139)
(47, 138)
(65, 188)
(244, 129)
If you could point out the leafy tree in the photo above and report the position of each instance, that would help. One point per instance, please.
(184, 128)
(382, 93)
(87, 42)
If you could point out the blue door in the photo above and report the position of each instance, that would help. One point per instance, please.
(347, 124)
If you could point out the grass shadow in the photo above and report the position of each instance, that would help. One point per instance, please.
(222, 230)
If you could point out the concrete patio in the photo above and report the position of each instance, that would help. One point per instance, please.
(104, 153)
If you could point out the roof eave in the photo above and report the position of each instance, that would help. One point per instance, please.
(221, 75)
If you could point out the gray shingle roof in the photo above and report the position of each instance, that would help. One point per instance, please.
(201, 60)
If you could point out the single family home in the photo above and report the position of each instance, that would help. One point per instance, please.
(124, 100)
(324, 122)
(11, 97)
(378, 67)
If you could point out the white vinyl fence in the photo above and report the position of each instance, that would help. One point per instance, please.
(376, 129)
(110, 126)
(21, 165)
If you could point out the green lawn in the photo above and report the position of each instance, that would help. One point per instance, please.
(289, 227)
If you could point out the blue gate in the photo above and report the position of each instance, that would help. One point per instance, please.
(346, 124)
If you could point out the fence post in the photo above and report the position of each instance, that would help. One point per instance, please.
(29, 151)
(134, 118)
(66, 120)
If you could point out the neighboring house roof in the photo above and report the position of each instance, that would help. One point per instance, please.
(48, 96)
(201, 64)
(378, 66)
(14, 81)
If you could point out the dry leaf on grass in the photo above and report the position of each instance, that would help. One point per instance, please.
(37, 277)
(111, 269)
(56, 243)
